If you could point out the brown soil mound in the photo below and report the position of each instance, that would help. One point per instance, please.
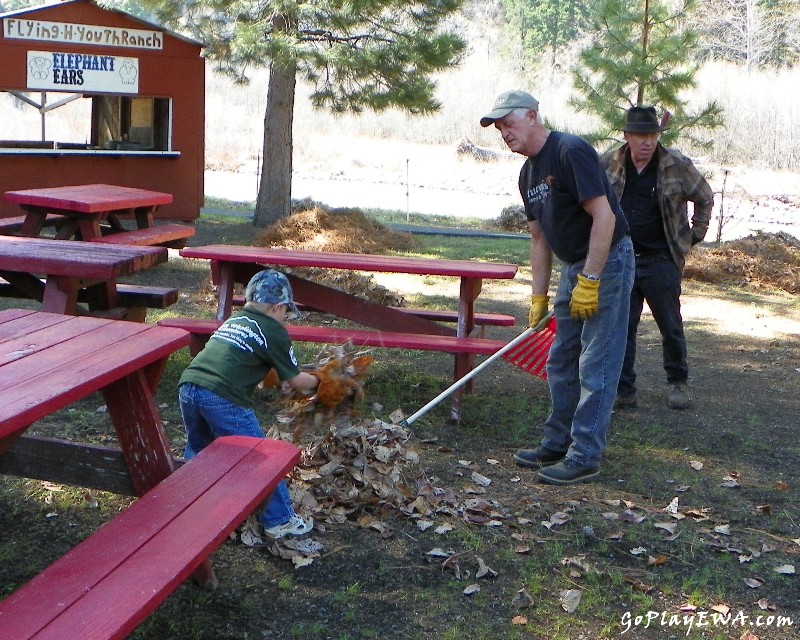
(347, 230)
(770, 260)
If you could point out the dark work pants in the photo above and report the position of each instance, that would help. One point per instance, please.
(657, 282)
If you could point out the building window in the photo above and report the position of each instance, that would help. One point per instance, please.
(132, 124)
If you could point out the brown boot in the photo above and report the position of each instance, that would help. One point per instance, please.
(679, 396)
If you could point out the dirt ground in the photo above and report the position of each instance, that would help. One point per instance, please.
(445, 509)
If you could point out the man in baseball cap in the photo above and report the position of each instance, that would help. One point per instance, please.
(506, 103)
(573, 214)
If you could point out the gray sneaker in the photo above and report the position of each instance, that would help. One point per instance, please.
(568, 472)
(679, 396)
(538, 457)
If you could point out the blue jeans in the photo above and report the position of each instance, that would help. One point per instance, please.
(207, 416)
(586, 358)
(657, 282)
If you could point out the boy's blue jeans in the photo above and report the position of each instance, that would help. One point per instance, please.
(585, 360)
(207, 416)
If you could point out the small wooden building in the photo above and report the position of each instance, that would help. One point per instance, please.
(147, 92)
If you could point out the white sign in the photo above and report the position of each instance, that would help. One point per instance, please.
(73, 33)
(82, 72)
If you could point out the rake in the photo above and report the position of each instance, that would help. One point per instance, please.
(528, 351)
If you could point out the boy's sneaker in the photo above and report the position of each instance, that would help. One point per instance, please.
(679, 396)
(568, 472)
(296, 526)
(538, 457)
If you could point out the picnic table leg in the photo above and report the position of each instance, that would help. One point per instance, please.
(33, 223)
(470, 288)
(59, 296)
(143, 442)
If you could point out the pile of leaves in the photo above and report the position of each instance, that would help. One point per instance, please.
(315, 227)
(762, 260)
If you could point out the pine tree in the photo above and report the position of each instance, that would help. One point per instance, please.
(642, 55)
(357, 54)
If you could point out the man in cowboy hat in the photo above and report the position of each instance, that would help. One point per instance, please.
(654, 183)
(573, 214)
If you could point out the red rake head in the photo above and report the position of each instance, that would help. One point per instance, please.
(531, 354)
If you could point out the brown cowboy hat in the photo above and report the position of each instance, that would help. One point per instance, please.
(642, 120)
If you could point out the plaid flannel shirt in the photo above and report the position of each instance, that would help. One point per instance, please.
(677, 182)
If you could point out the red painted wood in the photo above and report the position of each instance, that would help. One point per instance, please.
(149, 236)
(76, 259)
(88, 198)
(359, 337)
(352, 262)
(139, 429)
(47, 361)
(112, 581)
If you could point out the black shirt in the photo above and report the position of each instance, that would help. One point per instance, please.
(554, 183)
(640, 205)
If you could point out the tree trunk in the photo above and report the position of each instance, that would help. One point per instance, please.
(275, 186)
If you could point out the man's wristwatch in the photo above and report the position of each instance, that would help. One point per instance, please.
(588, 277)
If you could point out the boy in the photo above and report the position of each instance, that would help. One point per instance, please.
(216, 389)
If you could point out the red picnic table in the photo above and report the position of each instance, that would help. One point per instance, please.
(103, 588)
(85, 211)
(74, 270)
(388, 326)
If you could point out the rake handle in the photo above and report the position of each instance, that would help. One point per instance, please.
(462, 381)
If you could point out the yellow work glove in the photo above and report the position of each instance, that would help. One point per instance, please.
(584, 298)
(538, 308)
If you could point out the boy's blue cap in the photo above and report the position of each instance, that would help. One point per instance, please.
(271, 287)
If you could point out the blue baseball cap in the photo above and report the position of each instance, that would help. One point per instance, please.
(271, 287)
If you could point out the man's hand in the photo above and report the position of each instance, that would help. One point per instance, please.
(585, 298)
(538, 309)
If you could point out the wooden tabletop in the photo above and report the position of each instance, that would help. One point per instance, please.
(352, 261)
(48, 361)
(76, 259)
(88, 198)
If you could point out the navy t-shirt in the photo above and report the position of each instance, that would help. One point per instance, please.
(554, 183)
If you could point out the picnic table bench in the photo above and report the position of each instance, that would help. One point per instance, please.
(112, 580)
(386, 326)
(107, 585)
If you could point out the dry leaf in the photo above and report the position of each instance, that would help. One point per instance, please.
(729, 482)
(669, 527)
(484, 569)
(724, 529)
(443, 528)
(672, 507)
(522, 599)
(479, 479)
(781, 486)
(754, 583)
(638, 551)
(656, 561)
(473, 588)
(764, 509)
(570, 599)
(438, 552)
(721, 608)
(424, 525)
(696, 465)
(519, 620)
(765, 605)
(786, 569)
